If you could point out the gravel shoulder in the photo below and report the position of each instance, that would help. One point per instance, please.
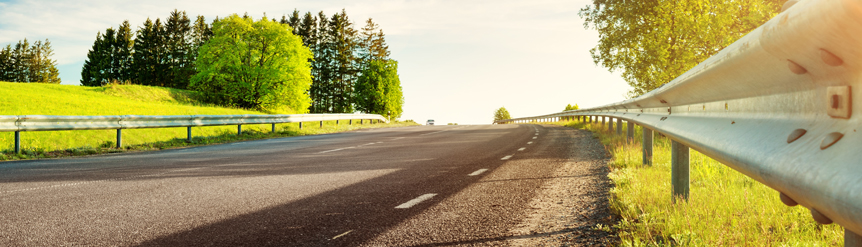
(573, 204)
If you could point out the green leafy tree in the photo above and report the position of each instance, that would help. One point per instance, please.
(653, 42)
(378, 89)
(569, 107)
(254, 64)
(501, 114)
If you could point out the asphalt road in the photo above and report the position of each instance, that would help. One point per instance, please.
(412, 186)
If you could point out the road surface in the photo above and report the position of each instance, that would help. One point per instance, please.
(412, 186)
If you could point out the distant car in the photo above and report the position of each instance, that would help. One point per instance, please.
(430, 122)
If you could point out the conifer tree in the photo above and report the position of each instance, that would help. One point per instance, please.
(6, 64)
(122, 55)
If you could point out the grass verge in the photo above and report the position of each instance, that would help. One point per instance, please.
(725, 207)
(49, 99)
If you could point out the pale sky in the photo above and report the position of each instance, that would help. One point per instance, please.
(459, 60)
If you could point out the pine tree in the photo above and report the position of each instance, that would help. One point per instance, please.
(143, 59)
(122, 53)
(20, 61)
(344, 47)
(177, 43)
(91, 74)
(6, 64)
(48, 72)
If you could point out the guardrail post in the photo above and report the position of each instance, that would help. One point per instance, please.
(273, 128)
(630, 130)
(189, 134)
(619, 126)
(239, 129)
(321, 124)
(603, 120)
(679, 170)
(300, 125)
(17, 142)
(351, 122)
(361, 121)
(852, 239)
(647, 145)
(610, 124)
(119, 138)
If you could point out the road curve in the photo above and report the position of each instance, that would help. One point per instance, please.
(412, 186)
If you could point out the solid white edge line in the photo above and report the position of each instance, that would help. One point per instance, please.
(507, 157)
(477, 172)
(413, 202)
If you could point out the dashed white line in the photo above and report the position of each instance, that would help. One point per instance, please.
(398, 138)
(528, 143)
(413, 202)
(507, 157)
(341, 235)
(477, 172)
(534, 137)
(367, 144)
(537, 133)
(339, 149)
(521, 149)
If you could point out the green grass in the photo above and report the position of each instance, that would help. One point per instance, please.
(725, 207)
(49, 99)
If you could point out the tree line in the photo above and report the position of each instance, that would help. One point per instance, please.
(350, 69)
(653, 42)
(29, 63)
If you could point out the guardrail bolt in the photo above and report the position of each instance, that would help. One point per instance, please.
(830, 58)
(796, 68)
(830, 139)
(647, 146)
(796, 134)
(119, 138)
(679, 170)
(17, 142)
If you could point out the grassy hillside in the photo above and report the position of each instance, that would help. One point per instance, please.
(49, 99)
(725, 207)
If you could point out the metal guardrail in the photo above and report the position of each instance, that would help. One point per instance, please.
(52, 123)
(775, 105)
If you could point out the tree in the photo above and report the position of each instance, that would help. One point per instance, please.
(501, 114)
(344, 62)
(378, 89)
(255, 65)
(177, 45)
(653, 42)
(29, 63)
(570, 107)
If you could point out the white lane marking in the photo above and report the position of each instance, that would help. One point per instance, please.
(398, 138)
(413, 202)
(367, 144)
(528, 143)
(507, 157)
(434, 132)
(327, 151)
(341, 235)
(477, 172)
(534, 137)
(537, 133)
(379, 142)
(521, 149)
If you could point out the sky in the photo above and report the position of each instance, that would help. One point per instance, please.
(459, 60)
